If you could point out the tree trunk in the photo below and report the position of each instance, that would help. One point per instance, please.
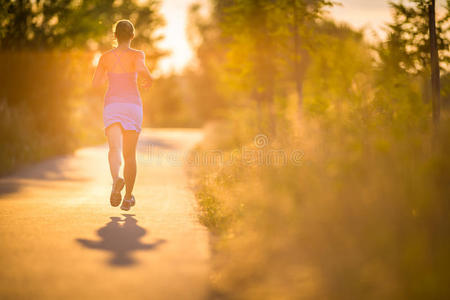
(435, 81)
(298, 83)
(301, 59)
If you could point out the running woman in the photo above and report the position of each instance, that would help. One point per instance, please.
(122, 111)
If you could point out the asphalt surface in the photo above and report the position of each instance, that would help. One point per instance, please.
(61, 239)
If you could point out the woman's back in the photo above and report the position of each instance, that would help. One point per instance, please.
(121, 67)
(121, 61)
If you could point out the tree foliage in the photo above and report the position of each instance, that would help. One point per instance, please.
(405, 55)
(407, 47)
(69, 24)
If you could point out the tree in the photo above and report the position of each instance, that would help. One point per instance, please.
(300, 17)
(435, 84)
(407, 49)
(251, 63)
(204, 77)
(269, 43)
(68, 24)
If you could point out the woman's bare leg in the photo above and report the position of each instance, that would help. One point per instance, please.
(114, 134)
(130, 139)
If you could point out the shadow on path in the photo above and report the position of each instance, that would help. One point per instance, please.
(121, 237)
(58, 168)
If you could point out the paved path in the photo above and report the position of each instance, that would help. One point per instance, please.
(60, 238)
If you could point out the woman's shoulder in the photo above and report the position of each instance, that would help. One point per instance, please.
(108, 52)
(130, 50)
(108, 56)
(137, 52)
(105, 55)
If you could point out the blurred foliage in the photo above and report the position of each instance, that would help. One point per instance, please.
(85, 24)
(44, 106)
(266, 52)
(407, 46)
(365, 213)
(169, 103)
(406, 49)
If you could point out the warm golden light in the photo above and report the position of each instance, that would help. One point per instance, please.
(96, 58)
(288, 149)
(175, 40)
(372, 15)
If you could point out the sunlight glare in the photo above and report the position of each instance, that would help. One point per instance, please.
(96, 58)
(175, 40)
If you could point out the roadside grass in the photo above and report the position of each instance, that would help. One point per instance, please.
(364, 215)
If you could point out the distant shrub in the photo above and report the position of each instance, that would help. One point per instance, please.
(44, 107)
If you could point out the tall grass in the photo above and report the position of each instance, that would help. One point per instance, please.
(364, 215)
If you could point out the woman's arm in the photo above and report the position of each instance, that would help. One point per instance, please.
(100, 73)
(142, 69)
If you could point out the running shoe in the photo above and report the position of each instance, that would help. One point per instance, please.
(116, 197)
(128, 203)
